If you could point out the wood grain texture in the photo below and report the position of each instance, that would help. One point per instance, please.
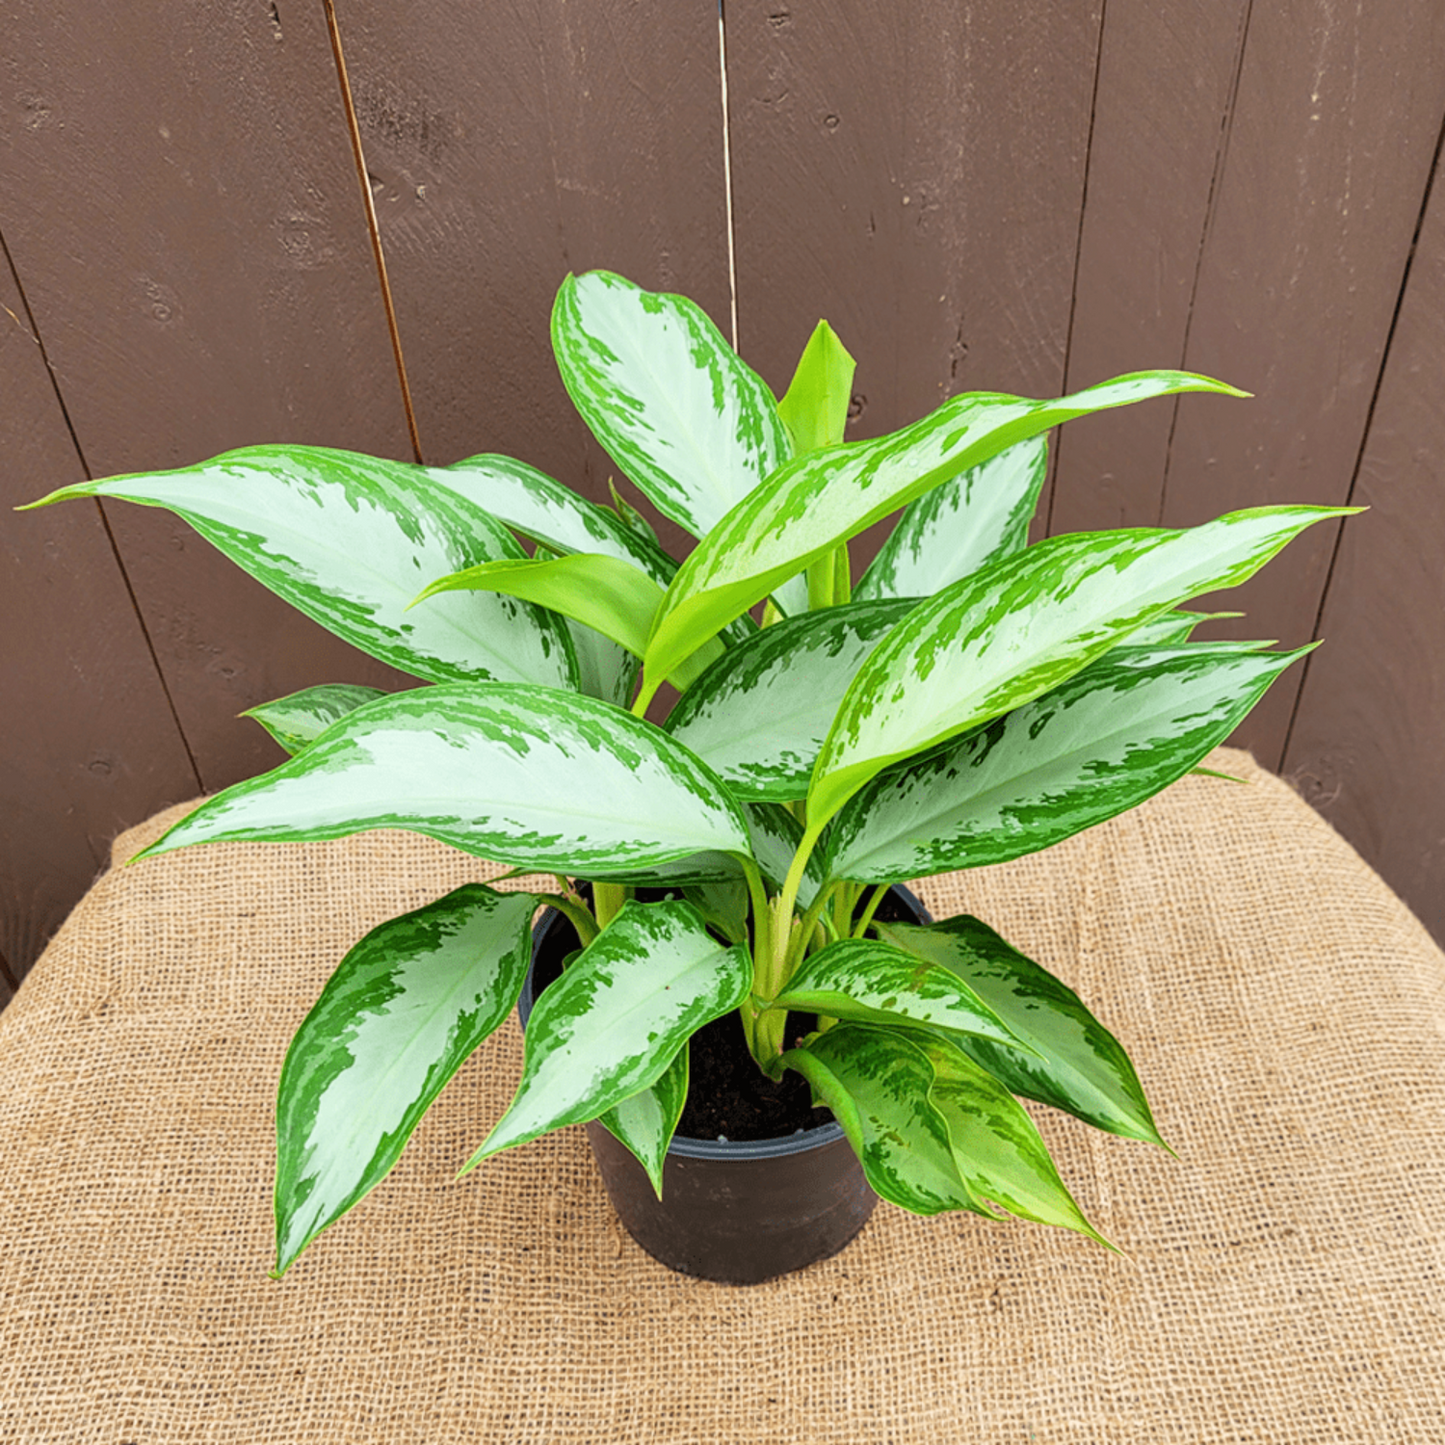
(1370, 732)
(88, 743)
(1329, 150)
(1166, 85)
(914, 174)
(509, 145)
(185, 217)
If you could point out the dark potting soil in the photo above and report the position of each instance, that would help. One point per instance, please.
(727, 1094)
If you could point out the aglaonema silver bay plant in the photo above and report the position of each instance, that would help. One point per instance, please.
(968, 700)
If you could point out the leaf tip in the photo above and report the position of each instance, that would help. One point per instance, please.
(60, 494)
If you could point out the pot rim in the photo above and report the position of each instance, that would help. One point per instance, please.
(798, 1142)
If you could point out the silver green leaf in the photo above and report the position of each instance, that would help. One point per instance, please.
(646, 1122)
(528, 776)
(996, 1146)
(876, 1082)
(1076, 1064)
(604, 593)
(533, 504)
(537, 506)
(404, 1009)
(628, 515)
(692, 427)
(760, 713)
(1003, 636)
(615, 1020)
(349, 540)
(1100, 743)
(723, 905)
(963, 524)
(875, 982)
(297, 720)
(1171, 628)
(774, 835)
(816, 502)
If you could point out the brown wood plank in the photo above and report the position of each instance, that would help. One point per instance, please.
(90, 743)
(185, 216)
(508, 146)
(1166, 83)
(1370, 731)
(914, 174)
(1329, 151)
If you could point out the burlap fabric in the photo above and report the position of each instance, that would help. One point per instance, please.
(1283, 1278)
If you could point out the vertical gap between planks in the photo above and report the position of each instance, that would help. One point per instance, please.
(145, 633)
(7, 977)
(373, 229)
(1365, 430)
(1056, 450)
(1221, 155)
(727, 150)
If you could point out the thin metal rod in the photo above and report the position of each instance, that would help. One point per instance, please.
(722, 56)
(363, 176)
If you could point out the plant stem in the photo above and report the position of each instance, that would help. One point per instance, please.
(821, 577)
(784, 908)
(575, 912)
(762, 950)
(644, 697)
(842, 575)
(608, 899)
(875, 898)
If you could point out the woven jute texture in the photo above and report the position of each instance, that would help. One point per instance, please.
(1282, 1280)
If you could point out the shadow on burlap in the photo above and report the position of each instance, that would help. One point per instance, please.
(1283, 1279)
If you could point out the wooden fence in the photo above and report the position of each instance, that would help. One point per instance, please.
(1025, 197)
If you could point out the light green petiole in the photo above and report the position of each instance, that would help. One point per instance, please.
(608, 899)
(773, 965)
(877, 897)
(575, 912)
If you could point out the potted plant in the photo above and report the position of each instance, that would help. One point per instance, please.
(971, 699)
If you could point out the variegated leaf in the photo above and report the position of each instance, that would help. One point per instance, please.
(875, 982)
(604, 668)
(646, 1122)
(996, 1146)
(814, 503)
(611, 596)
(348, 540)
(296, 721)
(876, 1082)
(693, 427)
(963, 524)
(405, 1008)
(1005, 635)
(1171, 628)
(611, 1025)
(628, 515)
(537, 506)
(532, 503)
(525, 775)
(724, 906)
(774, 835)
(1110, 737)
(760, 713)
(1076, 1065)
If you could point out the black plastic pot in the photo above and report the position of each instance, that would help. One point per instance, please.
(737, 1213)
